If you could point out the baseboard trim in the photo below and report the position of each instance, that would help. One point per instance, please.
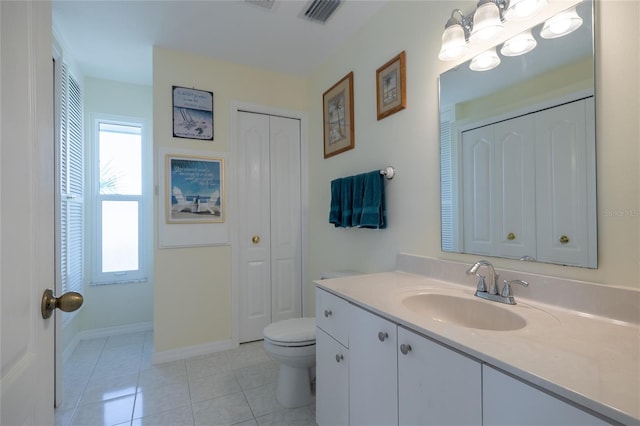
(190, 351)
(104, 332)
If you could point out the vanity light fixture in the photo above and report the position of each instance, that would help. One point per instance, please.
(523, 9)
(519, 45)
(485, 61)
(487, 19)
(561, 24)
(454, 37)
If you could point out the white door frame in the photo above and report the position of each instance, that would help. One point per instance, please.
(237, 106)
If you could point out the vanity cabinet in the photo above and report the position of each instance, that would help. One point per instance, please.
(332, 359)
(436, 385)
(528, 186)
(373, 378)
(508, 401)
(399, 377)
(332, 381)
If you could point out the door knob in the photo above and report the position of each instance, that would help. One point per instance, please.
(255, 239)
(68, 302)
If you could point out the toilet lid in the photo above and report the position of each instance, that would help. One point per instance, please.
(295, 330)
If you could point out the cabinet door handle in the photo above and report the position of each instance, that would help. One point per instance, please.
(405, 349)
(382, 336)
(327, 313)
(339, 357)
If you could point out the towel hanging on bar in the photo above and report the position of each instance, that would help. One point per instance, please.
(359, 201)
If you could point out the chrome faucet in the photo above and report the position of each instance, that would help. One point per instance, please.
(493, 277)
(493, 293)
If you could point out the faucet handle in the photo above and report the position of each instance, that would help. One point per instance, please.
(482, 285)
(506, 290)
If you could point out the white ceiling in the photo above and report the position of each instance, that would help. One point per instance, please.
(114, 39)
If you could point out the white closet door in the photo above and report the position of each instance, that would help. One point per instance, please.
(253, 222)
(286, 238)
(514, 183)
(269, 221)
(477, 158)
(562, 193)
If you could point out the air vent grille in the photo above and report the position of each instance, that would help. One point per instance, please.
(321, 10)
(267, 4)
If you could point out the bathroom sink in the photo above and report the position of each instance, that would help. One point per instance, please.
(464, 311)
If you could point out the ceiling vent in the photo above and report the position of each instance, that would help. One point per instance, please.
(267, 4)
(321, 10)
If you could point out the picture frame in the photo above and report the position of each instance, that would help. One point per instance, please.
(391, 86)
(192, 113)
(337, 114)
(194, 189)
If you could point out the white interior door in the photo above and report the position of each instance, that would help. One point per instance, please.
(26, 212)
(268, 221)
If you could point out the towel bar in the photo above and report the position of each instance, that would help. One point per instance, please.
(388, 172)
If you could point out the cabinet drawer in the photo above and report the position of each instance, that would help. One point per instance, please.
(332, 315)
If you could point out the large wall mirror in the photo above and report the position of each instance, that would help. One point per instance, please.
(517, 145)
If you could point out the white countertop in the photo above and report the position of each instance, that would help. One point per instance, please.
(592, 361)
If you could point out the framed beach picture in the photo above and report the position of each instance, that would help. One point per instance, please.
(337, 112)
(192, 113)
(194, 189)
(391, 86)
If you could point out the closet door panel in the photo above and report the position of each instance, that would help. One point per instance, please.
(286, 231)
(477, 157)
(515, 188)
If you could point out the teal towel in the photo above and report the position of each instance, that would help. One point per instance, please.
(335, 214)
(374, 213)
(357, 197)
(346, 203)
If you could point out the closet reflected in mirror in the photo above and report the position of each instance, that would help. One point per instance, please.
(517, 147)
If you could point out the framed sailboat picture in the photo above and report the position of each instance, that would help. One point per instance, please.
(192, 113)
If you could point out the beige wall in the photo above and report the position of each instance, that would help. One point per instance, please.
(408, 140)
(192, 308)
(192, 297)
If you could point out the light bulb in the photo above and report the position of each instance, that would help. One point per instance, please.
(454, 44)
(562, 24)
(486, 22)
(523, 9)
(485, 61)
(519, 45)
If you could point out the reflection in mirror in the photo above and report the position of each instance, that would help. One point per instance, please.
(517, 150)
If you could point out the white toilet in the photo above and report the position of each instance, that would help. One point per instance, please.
(292, 344)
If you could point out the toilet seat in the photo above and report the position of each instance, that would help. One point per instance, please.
(292, 332)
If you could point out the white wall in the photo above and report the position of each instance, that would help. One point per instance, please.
(408, 140)
(115, 305)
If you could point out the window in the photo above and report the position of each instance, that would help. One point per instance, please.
(118, 242)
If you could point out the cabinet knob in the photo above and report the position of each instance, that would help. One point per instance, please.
(405, 349)
(511, 236)
(382, 336)
(327, 313)
(564, 239)
(339, 357)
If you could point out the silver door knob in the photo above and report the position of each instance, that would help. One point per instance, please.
(68, 302)
(382, 336)
(405, 349)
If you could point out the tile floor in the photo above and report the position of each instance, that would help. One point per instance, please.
(111, 381)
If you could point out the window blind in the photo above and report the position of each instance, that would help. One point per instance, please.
(71, 183)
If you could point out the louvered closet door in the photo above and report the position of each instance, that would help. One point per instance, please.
(269, 225)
